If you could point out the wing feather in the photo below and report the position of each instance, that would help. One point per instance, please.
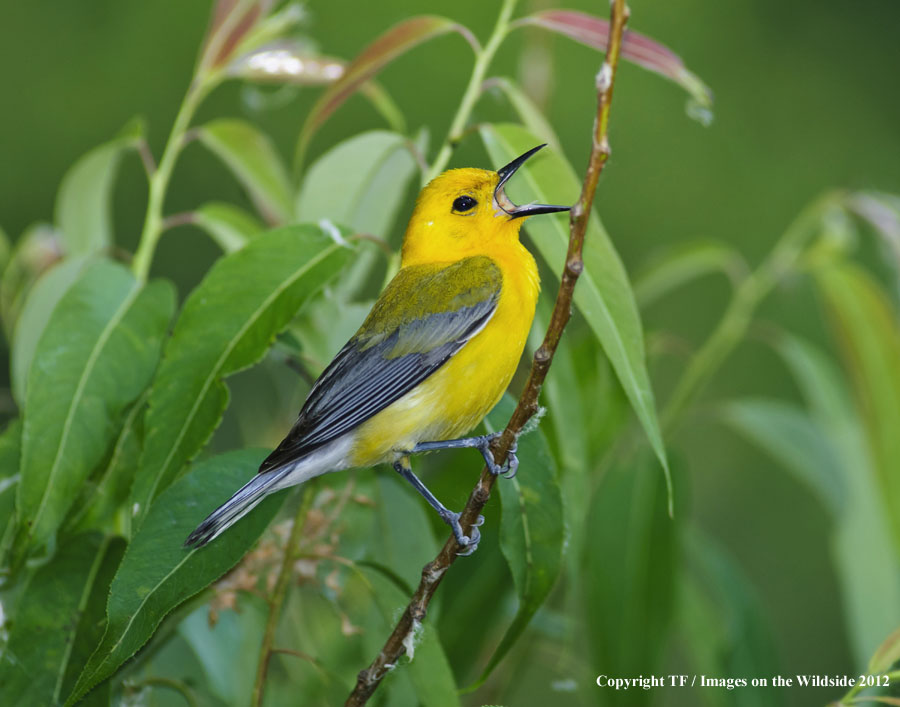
(425, 315)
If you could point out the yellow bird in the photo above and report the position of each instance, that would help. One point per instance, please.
(435, 354)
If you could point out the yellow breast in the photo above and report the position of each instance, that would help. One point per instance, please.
(457, 397)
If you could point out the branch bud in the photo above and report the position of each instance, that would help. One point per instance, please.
(604, 78)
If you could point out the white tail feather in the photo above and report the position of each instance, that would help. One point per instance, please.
(331, 457)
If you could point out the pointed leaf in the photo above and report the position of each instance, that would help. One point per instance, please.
(799, 443)
(83, 211)
(882, 212)
(227, 324)
(532, 530)
(43, 634)
(632, 562)
(565, 402)
(887, 654)
(10, 452)
(228, 225)
(42, 299)
(157, 573)
(226, 644)
(100, 498)
(271, 28)
(92, 623)
(396, 41)
(360, 183)
(37, 250)
(603, 293)
(252, 158)
(862, 546)
(96, 356)
(636, 48)
(403, 529)
(867, 332)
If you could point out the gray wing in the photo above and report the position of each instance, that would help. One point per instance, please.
(431, 311)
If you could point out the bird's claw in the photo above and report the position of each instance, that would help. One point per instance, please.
(507, 469)
(512, 461)
(468, 543)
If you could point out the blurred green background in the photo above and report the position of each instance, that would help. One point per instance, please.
(805, 99)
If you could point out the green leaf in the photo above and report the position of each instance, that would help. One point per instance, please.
(157, 573)
(228, 225)
(862, 545)
(631, 560)
(252, 158)
(102, 497)
(887, 654)
(799, 443)
(882, 212)
(83, 203)
(866, 329)
(235, 637)
(259, 27)
(402, 527)
(36, 250)
(42, 642)
(636, 48)
(398, 40)
(603, 293)
(96, 356)
(532, 530)
(39, 305)
(360, 183)
(684, 263)
(92, 623)
(10, 452)
(564, 399)
(227, 324)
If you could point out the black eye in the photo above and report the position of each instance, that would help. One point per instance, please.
(464, 203)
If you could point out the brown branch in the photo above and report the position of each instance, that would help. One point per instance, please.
(432, 574)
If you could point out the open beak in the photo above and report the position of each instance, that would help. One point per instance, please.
(504, 202)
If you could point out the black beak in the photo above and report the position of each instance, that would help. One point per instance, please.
(508, 206)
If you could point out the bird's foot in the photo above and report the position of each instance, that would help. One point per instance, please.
(507, 469)
(468, 543)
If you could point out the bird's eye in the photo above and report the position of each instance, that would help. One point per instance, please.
(464, 203)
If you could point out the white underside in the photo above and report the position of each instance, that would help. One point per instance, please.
(333, 456)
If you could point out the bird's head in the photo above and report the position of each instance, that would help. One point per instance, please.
(466, 212)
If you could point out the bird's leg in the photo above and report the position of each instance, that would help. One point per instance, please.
(483, 445)
(401, 466)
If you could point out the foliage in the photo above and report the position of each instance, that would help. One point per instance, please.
(124, 438)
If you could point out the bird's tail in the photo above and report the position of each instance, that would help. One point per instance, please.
(239, 505)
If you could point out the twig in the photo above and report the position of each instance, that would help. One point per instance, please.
(146, 156)
(369, 679)
(278, 596)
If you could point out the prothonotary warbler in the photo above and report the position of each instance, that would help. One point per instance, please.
(432, 358)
